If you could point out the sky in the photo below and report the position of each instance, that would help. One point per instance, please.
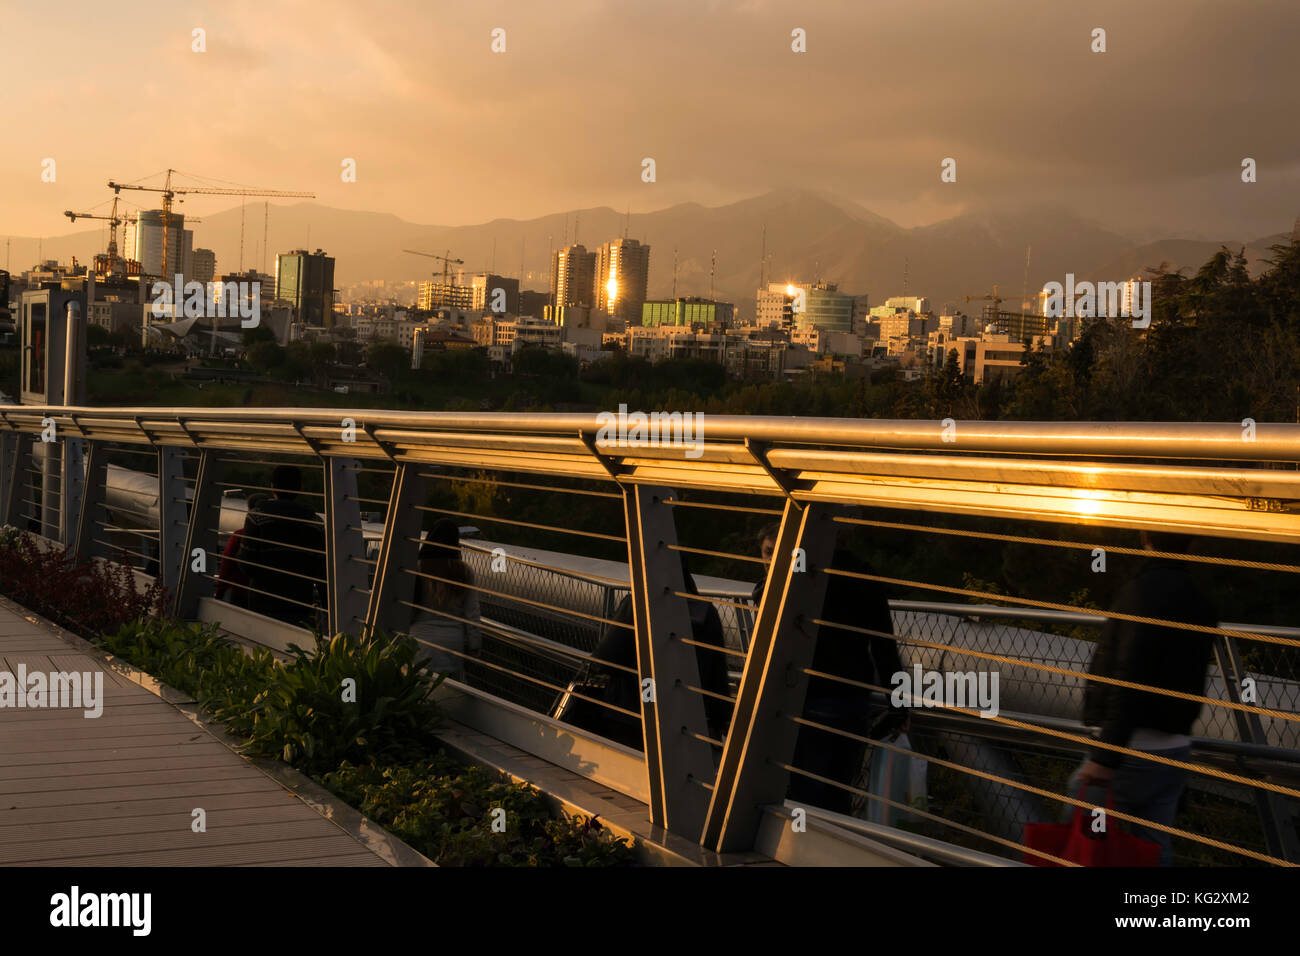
(1147, 137)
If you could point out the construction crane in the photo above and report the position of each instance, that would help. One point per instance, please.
(169, 193)
(447, 262)
(114, 220)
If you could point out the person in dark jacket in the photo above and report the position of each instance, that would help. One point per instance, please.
(622, 688)
(869, 659)
(1168, 657)
(282, 550)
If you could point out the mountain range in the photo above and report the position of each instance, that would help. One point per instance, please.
(807, 235)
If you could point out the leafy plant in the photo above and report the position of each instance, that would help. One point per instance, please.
(93, 597)
(446, 811)
(352, 698)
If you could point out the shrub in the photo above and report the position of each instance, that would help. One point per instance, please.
(445, 811)
(196, 659)
(309, 717)
(90, 598)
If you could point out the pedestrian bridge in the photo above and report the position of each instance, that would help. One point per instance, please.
(560, 525)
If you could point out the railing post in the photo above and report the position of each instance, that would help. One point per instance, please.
(19, 470)
(1274, 814)
(677, 761)
(397, 553)
(345, 546)
(202, 532)
(773, 686)
(92, 496)
(71, 488)
(173, 521)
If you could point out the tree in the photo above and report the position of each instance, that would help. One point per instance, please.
(265, 356)
(387, 358)
(321, 353)
(947, 385)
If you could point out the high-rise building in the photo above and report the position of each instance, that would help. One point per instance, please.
(622, 275)
(774, 306)
(204, 265)
(143, 242)
(573, 272)
(823, 306)
(306, 281)
(484, 294)
(433, 294)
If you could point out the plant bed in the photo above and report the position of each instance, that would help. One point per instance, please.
(355, 714)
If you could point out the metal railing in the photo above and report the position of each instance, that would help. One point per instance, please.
(723, 702)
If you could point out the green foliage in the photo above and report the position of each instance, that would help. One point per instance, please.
(377, 753)
(310, 717)
(194, 658)
(265, 356)
(387, 358)
(446, 812)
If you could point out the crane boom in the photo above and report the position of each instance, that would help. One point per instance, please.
(446, 263)
(169, 192)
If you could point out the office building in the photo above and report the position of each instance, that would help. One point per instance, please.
(573, 276)
(143, 242)
(687, 312)
(484, 296)
(306, 281)
(622, 275)
(204, 265)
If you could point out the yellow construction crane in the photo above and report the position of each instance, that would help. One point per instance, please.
(447, 261)
(114, 220)
(169, 193)
(996, 299)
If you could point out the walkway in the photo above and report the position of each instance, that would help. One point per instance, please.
(121, 789)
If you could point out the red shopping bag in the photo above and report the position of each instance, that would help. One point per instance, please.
(1075, 841)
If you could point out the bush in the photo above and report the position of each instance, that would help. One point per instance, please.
(445, 811)
(196, 659)
(90, 598)
(301, 715)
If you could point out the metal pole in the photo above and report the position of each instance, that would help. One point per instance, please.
(397, 552)
(345, 547)
(773, 686)
(677, 761)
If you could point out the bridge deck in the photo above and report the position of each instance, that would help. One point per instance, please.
(120, 789)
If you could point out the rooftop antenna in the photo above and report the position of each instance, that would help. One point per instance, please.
(521, 263)
(713, 268)
(576, 216)
(674, 273)
(1024, 290)
(906, 264)
(762, 262)
(493, 267)
(627, 220)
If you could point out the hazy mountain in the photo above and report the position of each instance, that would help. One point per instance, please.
(809, 234)
(1186, 254)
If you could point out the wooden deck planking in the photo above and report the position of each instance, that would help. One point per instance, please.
(119, 790)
